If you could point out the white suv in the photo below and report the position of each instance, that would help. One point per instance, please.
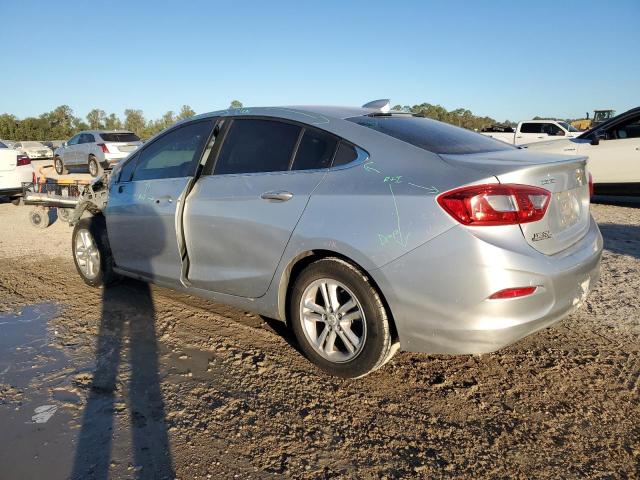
(15, 169)
(95, 149)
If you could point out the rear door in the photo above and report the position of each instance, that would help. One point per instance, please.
(238, 219)
(616, 159)
(531, 132)
(141, 214)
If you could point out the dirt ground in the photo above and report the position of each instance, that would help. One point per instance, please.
(148, 383)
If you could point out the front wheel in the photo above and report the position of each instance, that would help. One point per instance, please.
(339, 319)
(92, 253)
(59, 166)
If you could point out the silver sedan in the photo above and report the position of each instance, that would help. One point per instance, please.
(365, 230)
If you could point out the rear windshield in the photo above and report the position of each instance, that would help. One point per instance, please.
(431, 135)
(120, 137)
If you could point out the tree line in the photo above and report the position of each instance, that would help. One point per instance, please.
(62, 124)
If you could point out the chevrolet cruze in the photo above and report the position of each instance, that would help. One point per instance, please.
(365, 230)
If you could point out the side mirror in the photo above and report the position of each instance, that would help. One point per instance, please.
(64, 144)
(595, 141)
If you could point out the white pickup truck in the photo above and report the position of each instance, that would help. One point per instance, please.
(532, 131)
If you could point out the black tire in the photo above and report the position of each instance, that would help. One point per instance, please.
(61, 169)
(40, 217)
(64, 214)
(377, 345)
(95, 169)
(97, 229)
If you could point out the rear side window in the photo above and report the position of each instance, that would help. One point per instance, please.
(531, 128)
(431, 135)
(174, 154)
(120, 137)
(315, 151)
(256, 145)
(346, 154)
(87, 138)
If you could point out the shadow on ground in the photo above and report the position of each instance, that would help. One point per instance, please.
(621, 239)
(118, 333)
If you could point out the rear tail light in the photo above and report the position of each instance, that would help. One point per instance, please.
(496, 204)
(513, 293)
(590, 185)
(104, 148)
(22, 160)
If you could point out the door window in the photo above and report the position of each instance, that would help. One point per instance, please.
(86, 138)
(531, 128)
(256, 145)
(174, 154)
(315, 151)
(74, 140)
(628, 129)
(551, 129)
(346, 154)
(127, 169)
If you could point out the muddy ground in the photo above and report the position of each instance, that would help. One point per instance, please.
(139, 382)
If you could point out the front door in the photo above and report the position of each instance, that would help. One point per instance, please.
(69, 153)
(238, 220)
(141, 214)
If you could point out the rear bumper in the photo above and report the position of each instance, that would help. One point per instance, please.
(438, 293)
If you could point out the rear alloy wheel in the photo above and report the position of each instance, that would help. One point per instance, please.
(59, 166)
(339, 319)
(94, 167)
(91, 252)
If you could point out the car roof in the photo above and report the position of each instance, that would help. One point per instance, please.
(104, 131)
(314, 112)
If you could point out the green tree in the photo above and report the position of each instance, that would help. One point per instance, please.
(235, 104)
(185, 112)
(112, 122)
(134, 121)
(96, 119)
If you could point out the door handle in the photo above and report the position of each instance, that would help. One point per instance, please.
(280, 196)
(121, 189)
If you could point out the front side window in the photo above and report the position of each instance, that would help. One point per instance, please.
(628, 129)
(256, 145)
(431, 135)
(74, 140)
(174, 154)
(315, 151)
(552, 129)
(126, 173)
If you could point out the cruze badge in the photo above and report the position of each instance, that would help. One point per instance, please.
(541, 236)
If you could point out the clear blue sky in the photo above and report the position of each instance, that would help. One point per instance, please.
(505, 59)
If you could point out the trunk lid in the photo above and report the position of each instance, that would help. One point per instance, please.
(124, 147)
(567, 218)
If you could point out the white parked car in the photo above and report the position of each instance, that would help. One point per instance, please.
(15, 169)
(613, 148)
(8, 143)
(95, 149)
(532, 131)
(34, 150)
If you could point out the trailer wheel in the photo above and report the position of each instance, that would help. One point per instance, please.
(40, 217)
(64, 214)
(92, 253)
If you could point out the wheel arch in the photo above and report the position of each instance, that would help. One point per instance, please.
(297, 264)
